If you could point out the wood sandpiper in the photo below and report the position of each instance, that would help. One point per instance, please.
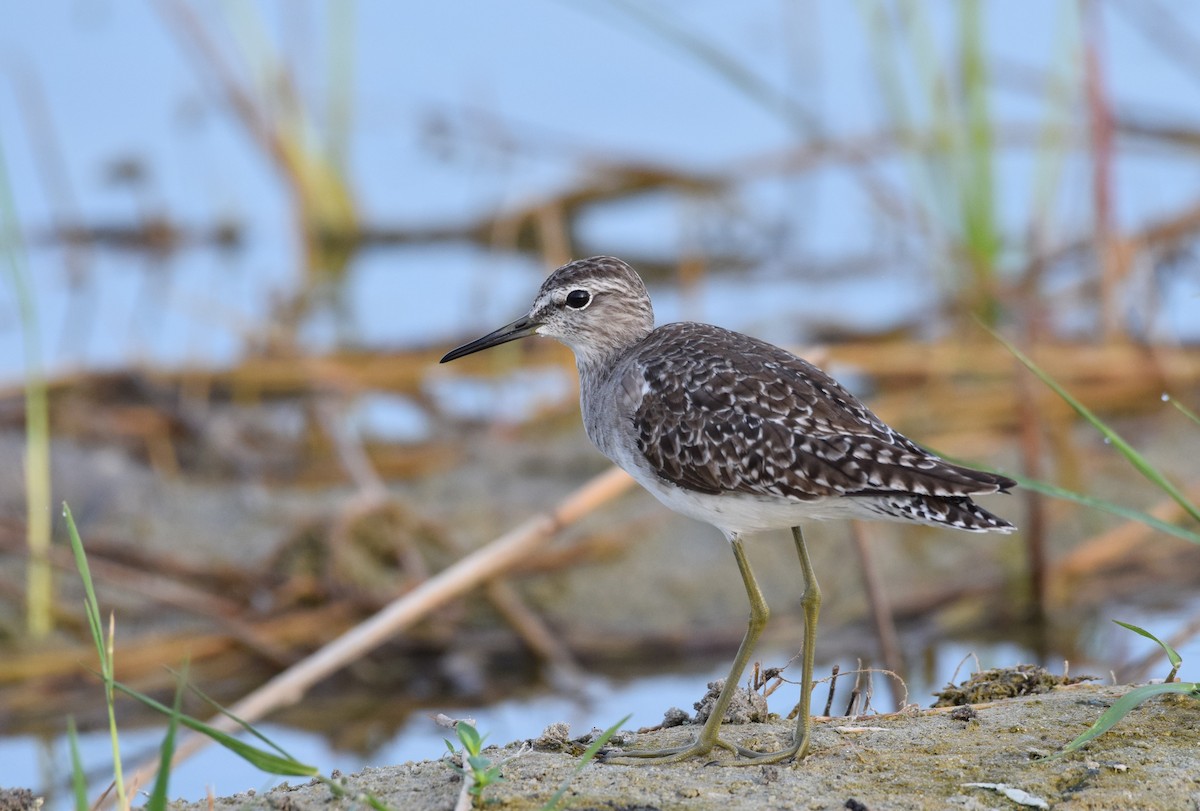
(740, 434)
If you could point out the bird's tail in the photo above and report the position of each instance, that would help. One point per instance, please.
(958, 512)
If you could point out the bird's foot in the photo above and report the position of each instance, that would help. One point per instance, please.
(699, 747)
(752, 757)
(674, 754)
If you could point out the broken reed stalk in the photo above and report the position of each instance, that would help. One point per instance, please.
(484, 564)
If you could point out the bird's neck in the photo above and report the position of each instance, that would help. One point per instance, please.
(595, 367)
(598, 356)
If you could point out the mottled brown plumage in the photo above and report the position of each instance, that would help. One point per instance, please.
(726, 413)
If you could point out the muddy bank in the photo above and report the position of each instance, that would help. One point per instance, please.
(925, 759)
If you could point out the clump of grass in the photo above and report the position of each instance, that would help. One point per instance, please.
(475, 766)
(482, 772)
(1135, 697)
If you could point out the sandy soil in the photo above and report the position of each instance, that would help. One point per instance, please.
(926, 759)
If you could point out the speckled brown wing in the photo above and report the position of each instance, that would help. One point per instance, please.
(722, 412)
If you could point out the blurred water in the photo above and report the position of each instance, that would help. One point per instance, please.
(462, 109)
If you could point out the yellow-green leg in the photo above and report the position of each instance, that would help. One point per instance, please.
(708, 738)
(811, 603)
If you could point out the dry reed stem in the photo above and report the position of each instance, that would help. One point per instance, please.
(591, 548)
(877, 601)
(147, 653)
(156, 587)
(888, 362)
(484, 564)
(224, 613)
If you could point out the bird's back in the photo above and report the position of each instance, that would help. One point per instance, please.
(717, 413)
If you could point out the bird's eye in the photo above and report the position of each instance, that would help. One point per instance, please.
(578, 299)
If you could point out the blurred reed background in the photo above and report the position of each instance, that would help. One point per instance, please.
(236, 238)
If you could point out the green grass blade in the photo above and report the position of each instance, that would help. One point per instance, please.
(1172, 654)
(469, 736)
(584, 759)
(158, 797)
(261, 759)
(114, 733)
(976, 178)
(78, 775)
(1122, 707)
(103, 648)
(90, 604)
(1054, 491)
(246, 725)
(39, 590)
(1140, 463)
(1185, 411)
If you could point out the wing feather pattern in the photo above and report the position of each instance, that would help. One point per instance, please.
(783, 429)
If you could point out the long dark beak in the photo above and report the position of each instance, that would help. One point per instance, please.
(521, 328)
